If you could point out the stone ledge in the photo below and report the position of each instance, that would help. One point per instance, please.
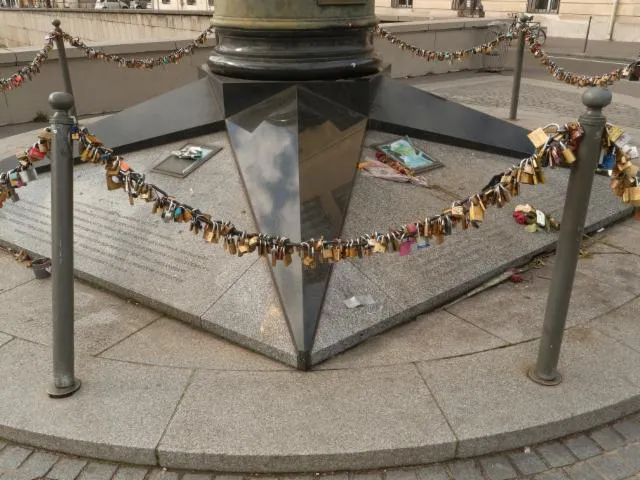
(18, 56)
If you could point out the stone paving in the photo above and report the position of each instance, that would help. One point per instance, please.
(609, 452)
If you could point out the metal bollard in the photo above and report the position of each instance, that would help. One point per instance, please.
(545, 371)
(64, 381)
(64, 65)
(517, 76)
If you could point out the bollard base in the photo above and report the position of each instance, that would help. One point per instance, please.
(556, 379)
(58, 392)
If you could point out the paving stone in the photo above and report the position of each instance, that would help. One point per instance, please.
(67, 468)
(582, 471)
(487, 416)
(163, 474)
(335, 476)
(527, 462)
(556, 474)
(367, 476)
(12, 456)
(3, 444)
(393, 407)
(111, 419)
(130, 473)
(98, 471)
(196, 476)
(406, 474)
(465, 470)
(582, 447)
(498, 468)
(38, 464)
(631, 455)
(628, 428)
(555, 454)
(611, 466)
(432, 472)
(607, 438)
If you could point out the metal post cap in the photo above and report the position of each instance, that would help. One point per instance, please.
(61, 101)
(596, 98)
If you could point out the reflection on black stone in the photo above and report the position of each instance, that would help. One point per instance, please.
(298, 155)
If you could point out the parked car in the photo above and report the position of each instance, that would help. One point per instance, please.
(138, 4)
(110, 4)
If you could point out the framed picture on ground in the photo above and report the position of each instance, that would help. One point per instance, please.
(411, 157)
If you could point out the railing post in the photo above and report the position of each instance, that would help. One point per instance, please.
(575, 213)
(517, 76)
(64, 381)
(64, 64)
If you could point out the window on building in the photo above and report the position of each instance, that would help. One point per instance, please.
(401, 3)
(191, 2)
(211, 2)
(166, 2)
(543, 6)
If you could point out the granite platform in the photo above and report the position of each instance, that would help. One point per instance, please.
(135, 254)
(450, 384)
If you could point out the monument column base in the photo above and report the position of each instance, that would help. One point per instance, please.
(320, 54)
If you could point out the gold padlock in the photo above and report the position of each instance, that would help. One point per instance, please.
(538, 137)
(631, 196)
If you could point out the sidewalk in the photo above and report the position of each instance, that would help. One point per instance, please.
(596, 49)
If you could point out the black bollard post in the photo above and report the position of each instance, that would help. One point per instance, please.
(64, 381)
(576, 204)
(517, 76)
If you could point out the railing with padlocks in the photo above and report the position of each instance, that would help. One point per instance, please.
(631, 71)
(555, 146)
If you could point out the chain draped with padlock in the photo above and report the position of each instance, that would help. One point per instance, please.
(632, 70)
(555, 145)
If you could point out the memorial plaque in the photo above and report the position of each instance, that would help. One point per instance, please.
(182, 162)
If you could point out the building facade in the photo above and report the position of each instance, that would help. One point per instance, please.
(606, 19)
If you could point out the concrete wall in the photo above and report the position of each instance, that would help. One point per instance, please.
(100, 87)
(29, 26)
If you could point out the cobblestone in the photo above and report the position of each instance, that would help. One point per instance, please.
(601, 454)
(422, 474)
(611, 466)
(607, 438)
(130, 473)
(582, 447)
(465, 470)
(98, 471)
(629, 429)
(556, 474)
(432, 472)
(556, 454)
(12, 456)
(37, 465)
(498, 468)
(582, 471)
(528, 463)
(66, 469)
